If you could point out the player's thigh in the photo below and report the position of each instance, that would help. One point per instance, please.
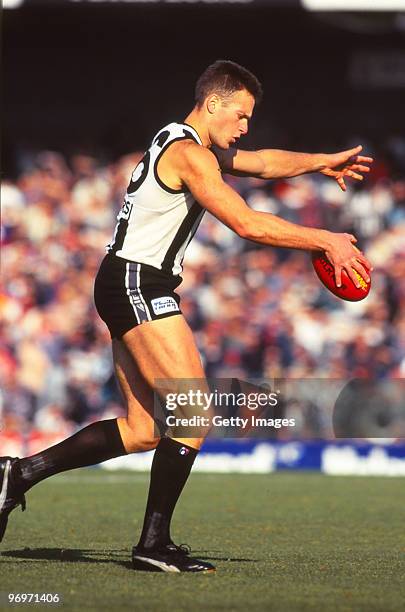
(139, 426)
(165, 350)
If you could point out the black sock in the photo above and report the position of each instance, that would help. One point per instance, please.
(93, 444)
(171, 467)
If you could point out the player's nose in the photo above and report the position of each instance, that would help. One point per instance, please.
(243, 127)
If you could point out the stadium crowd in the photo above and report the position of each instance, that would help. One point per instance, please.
(257, 312)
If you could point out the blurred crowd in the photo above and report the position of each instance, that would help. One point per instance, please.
(257, 312)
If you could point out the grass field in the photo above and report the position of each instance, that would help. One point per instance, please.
(280, 542)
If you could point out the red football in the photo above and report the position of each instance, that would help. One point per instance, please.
(348, 290)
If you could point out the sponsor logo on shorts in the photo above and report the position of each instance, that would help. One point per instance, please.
(184, 450)
(164, 304)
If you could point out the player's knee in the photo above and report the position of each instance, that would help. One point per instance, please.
(140, 436)
(141, 440)
(145, 443)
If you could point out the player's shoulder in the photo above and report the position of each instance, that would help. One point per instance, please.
(192, 153)
(194, 158)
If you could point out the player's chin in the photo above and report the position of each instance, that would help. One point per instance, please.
(225, 144)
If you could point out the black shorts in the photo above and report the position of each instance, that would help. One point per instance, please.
(127, 294)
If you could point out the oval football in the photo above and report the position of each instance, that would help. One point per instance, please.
(348, 290)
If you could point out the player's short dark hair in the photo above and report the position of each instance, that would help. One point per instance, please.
(224, 78)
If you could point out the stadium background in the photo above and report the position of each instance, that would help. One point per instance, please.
(86, 86)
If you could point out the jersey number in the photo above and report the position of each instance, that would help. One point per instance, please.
(139, 174)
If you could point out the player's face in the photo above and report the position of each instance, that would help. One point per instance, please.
(230, 120)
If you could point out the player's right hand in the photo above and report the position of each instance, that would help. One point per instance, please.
(344, 255)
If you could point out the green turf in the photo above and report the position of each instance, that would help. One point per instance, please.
(280, 542)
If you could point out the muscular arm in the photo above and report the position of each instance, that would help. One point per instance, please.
(274, 163)
(200, 172)
(269, 163)
(198, 169)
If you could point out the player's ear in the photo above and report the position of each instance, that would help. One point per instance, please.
(212, 103)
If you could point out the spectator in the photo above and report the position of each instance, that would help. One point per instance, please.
(239, 297)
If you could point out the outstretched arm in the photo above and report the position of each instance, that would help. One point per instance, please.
(199, 171)
(274, 163)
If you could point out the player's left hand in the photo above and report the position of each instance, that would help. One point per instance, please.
(346, 163)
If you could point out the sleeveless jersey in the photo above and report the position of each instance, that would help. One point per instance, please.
(156, 223)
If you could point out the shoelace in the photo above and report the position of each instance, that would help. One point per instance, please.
(185, 548)
(181, 548)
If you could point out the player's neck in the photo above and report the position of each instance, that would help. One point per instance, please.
(196, 121)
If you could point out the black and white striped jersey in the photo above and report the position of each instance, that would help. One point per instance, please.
(156, 223)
